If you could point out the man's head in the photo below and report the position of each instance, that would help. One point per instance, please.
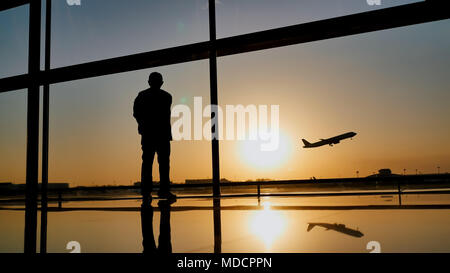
(155, 80)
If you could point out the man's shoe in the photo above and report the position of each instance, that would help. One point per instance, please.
(146, 192)
(166, 195)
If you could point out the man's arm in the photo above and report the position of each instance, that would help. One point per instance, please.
(169, 116)
(137, 112)
(170, 104)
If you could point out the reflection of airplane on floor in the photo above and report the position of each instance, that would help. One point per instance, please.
(329, 141)
(337, 227)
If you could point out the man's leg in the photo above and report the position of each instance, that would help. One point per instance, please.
(163, 151)
(148, 154)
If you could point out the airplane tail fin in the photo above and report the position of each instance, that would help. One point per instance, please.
(306, 142)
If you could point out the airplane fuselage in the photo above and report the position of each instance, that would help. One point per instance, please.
(328, 141)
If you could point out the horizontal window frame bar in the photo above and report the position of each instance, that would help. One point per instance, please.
(10, 4)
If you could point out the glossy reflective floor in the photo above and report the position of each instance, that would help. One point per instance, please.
(271, 224)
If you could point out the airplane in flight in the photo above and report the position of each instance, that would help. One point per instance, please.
(337, 227)
(328, 141)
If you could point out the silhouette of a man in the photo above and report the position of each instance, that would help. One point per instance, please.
(152, 112)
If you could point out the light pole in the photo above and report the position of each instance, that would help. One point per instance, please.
(357, 174)
(404, 171)
(439, 168)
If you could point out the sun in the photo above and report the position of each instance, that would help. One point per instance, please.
(252, 155)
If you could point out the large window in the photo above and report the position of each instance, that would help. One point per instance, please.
(389, 86)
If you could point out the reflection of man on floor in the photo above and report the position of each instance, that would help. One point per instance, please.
(148, 239)
(152, 112)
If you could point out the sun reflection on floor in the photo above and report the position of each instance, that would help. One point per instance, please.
(267, 225)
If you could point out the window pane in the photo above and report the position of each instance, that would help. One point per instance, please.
(102, 29)
(13, 125)
(13, 133)
(236, 17)
(390, 87)
(14, 41)
(93, 134)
